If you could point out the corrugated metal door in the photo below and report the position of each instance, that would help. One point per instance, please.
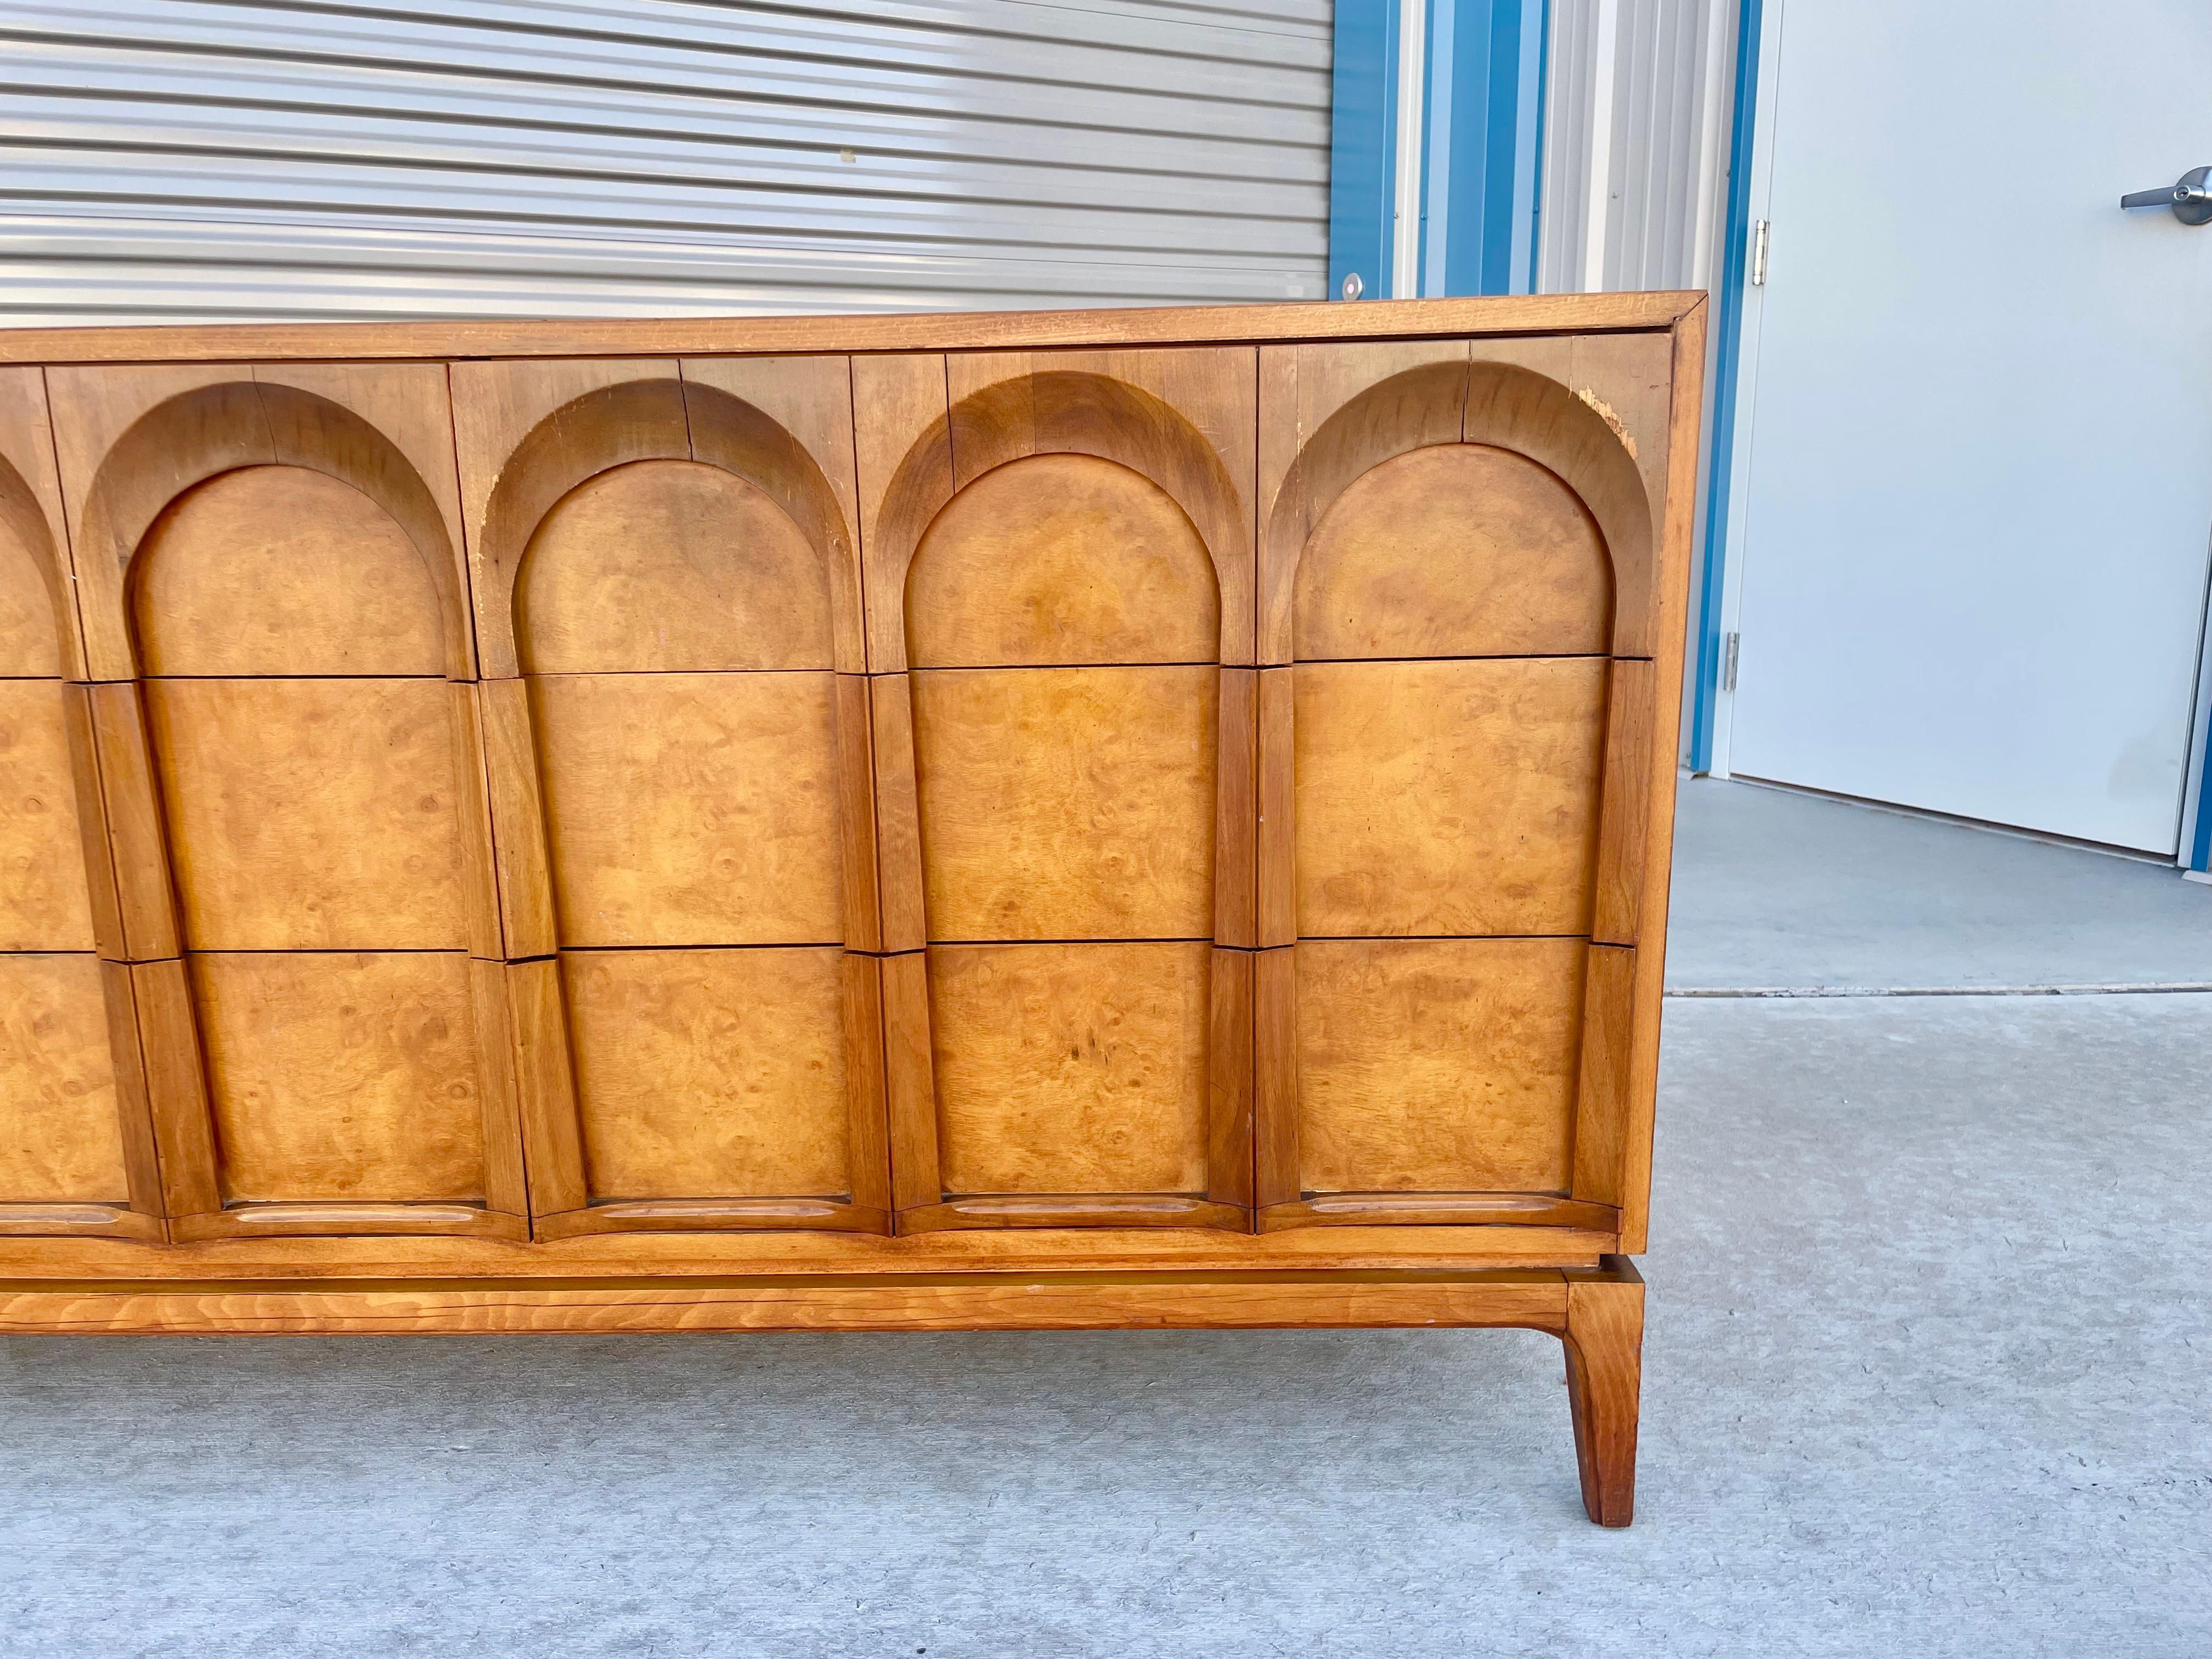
(178, 160)
(1634, 135)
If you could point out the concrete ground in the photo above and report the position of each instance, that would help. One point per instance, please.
(1928, 1372)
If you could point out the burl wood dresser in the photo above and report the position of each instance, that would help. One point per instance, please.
(1073, 820)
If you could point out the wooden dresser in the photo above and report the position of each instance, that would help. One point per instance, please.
(1070, 820)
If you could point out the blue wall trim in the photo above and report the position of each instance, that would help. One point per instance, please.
(1363, 131)
(2198, 854)
(1488, 74)
(1727, 356)
(1481, 140)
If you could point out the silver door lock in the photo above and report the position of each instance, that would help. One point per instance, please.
(1353, 288)
(2189, 196)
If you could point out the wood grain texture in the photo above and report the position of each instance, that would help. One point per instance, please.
(713, 1215)
(1327, 413)
(665, 566)
(545, 1088)
(97, 844)
(1407, 491)
(967, 1302)
(134, 441)
(902, 446)
(868, 1110)
(61, 1129)
(692, 809)
(859, 857)
(526, 434)
(1438, 1066)
(1675, 559)
(1604, 1342)
(1332, 413)
(1230, 1081)
(1437, 1210)
(1040, 1210)
(343, 1076)
(898, 813)
(910, 1083)
(1071, 1068)
(1623, 819)
(514, 792)
(45, 901)
(505, 1171)
(1628, 380)
(1447, 797)
(1116, 326)
(1236, 810)
(128, 439)
(784, 1253)
(1073, 802)
(1275, 1178)
(472, 825)
(1514, 408)
(176, 1087)
(387, 430)
(809, 400)
(142, 1161)
(39, 630)
(337, 1219)
(118, 754)
(1062, 560)
(318, 815)
(724, 538)
(1008, 414)
(710, 1073)
(1275, 833)
(1453, 550)
(1184, 419)
(1605, 1106)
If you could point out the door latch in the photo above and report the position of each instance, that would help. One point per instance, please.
(2189, 195)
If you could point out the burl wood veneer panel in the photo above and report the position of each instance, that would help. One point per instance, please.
(1458, 544)
(1066, 803)
(686, 757)
(61, 1139)
(502, 804)
(1072, 572)
(272, 556)
(76, 1140)
(691, 809)
(1438, 1066)
(710, 1073)
(342, 1075)
(1072, 1068)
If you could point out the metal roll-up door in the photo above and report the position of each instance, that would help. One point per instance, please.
(187, 160)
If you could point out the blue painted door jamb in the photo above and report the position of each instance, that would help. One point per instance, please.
(1480, 138)
(1728, 362)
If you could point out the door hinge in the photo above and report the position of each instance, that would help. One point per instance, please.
(1728, 662)
(1759, 254)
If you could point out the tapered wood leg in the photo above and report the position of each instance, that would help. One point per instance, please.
(1605, 1378)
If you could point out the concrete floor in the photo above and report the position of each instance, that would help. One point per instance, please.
(1780, 889)
(1927, 1374)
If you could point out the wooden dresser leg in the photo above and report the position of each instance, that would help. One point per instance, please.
(1605, 1376)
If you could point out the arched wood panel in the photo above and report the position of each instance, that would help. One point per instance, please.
(686, 827)
(76, 1149)
(1059, 569)
(293, 780)
(1456, 576)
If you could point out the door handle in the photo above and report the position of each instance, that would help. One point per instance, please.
(2189, 196)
